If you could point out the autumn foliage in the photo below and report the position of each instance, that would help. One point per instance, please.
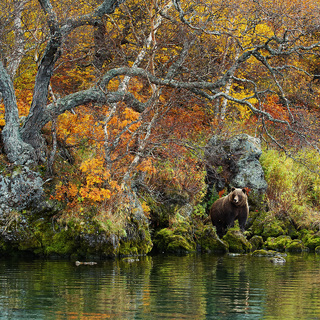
(107, 150)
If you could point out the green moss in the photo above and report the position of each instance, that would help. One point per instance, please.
(128, 249)
(296, 246)
(278, 244)
(311, 240)
(208, 240)
(256, 220)
(62, 243)
(273, 228)
(179, 244)
(265, 253)
(162, 239)
(182, 227)
(267, 225)
(317, 250)
(171, 240)
(237, 241)
(256, 242)
(140, 245)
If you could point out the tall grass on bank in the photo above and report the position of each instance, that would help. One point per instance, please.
(293, 187)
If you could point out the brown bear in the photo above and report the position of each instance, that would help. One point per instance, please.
(227, 209)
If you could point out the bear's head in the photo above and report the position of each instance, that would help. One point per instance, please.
(238, 197)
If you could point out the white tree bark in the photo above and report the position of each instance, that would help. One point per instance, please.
(19, 40)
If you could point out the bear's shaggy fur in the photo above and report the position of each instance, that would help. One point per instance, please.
(227, 209)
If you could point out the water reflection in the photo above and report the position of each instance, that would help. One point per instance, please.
(162, 287)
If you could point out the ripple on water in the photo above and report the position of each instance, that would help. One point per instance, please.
(188, 287)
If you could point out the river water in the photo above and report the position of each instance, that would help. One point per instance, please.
(162, 287)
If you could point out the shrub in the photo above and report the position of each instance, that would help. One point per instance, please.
(293, 187)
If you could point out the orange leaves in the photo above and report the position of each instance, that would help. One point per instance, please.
(97, 181)
(66, 191)
(96, 178)
(146, 165)
(2, 119)
(95, 167)
(94, 194)
(83, 125)
(277, 110)
(24, 99)
(130, 114)
(95, 184)
(221, 193)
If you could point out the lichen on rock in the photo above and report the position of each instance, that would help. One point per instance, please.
(21, 189)
(235, 162)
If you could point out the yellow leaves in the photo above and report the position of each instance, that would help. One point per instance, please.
(95, 186)
(147, 166)
(94, 194)
(114, 83)
(263, 30)
(96, 177)
(2, 120)
(94, 166)
(24, 100)
(244, 110)
(130, 114)
(72, 189)
(146, 208)
(74, 128)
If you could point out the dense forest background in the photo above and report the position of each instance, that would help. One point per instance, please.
(115, 100)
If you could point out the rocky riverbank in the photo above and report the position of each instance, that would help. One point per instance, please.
(30, 220)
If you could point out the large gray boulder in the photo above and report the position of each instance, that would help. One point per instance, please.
(234, 162)
(20, 189)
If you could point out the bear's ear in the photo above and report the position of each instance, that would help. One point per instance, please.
(233, 188)
(244, 191)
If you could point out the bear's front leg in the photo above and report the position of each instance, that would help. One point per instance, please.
(242, 223)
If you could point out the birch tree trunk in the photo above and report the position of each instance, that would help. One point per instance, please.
(19, 41)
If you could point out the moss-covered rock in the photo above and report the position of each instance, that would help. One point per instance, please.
(267, 224)
(169, 240)
(256, 242)
(138, 243)
(317, 250)
(311, 240)
(237, 241)
(208, 241)
(296, 246)
(62, 243)
(278, 244)
(273, 228)
(253, 215)
(77, 238)
(179, 238)
(267, 253)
